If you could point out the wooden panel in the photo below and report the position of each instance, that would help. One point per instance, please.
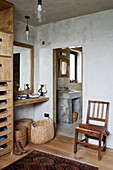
(5, 95)
(101, 102)
(8, 139)
(6, 150)
(4, 5)
(87, 144)
(6, 122)
(6, 132)
(30, 101)
(8, 112)
(88, 132)
(5, 69)
(19, 44)
(97, 119)
(8, 104)
(6, 42)
(6, 20)
(5, 86)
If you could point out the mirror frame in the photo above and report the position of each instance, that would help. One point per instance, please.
(31, 47)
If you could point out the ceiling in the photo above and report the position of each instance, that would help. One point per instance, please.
(57, 10)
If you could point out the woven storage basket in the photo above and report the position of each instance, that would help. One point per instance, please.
(21, 134)
(42, 131)
(26, 122)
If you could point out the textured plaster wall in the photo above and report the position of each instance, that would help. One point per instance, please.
(65, 82)
(27, 111)
(95, 34)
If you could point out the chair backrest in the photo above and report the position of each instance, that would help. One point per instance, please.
(98, 111)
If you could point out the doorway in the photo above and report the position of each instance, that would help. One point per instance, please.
(67, 89)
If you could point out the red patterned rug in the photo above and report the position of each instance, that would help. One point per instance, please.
(38, 160)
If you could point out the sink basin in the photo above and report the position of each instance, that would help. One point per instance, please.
(70, 94)
(73, 91)
(68, 91)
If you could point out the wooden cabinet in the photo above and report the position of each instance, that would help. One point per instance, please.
(6, 77)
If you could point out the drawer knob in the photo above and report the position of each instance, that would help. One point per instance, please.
(0, 39)
(0, 65)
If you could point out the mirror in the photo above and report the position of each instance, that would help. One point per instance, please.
(63, 68)
(23, 67)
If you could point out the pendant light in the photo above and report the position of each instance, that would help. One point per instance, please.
(27, 31)
(39, 12)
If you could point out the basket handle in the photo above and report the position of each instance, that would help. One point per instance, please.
(34, 124)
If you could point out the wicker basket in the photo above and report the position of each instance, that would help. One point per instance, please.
(26, 122)
(42, 131)
(21, 134)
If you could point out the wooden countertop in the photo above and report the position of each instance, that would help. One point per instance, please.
(30, 101)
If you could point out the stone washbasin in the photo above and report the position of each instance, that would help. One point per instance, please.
(69, 94)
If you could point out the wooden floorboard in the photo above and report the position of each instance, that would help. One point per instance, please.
(63, 146)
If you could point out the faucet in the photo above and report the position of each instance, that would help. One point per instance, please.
(67, 88)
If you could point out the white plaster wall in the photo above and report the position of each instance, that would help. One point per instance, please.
(19, 30)
(27, 111)
(45, 76)
(95, 33)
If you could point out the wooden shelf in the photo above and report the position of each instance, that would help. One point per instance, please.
(30, 101)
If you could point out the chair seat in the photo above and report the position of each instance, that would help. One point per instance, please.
(97, 128)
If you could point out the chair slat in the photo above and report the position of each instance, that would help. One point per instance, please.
(102, 111)
(97, 119)
(98, 110)
(101, 102)
(93, 110)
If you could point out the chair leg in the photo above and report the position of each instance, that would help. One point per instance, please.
(104, 143)
(99, 148)
(75, 142)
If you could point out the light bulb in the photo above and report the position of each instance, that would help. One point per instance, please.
(39, 12)
(27, 33)
(39, 7)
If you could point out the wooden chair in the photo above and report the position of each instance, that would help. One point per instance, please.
(97, 111)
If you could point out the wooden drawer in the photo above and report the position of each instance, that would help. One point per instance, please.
(5, 95)
(6, 132)
(7, 139)
(4, 104)
(5, 121)
(6, 112)
(6, 43)
(5, 86)
(6, 149)
(5, 69)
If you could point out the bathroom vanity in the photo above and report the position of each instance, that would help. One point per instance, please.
(69, 102)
